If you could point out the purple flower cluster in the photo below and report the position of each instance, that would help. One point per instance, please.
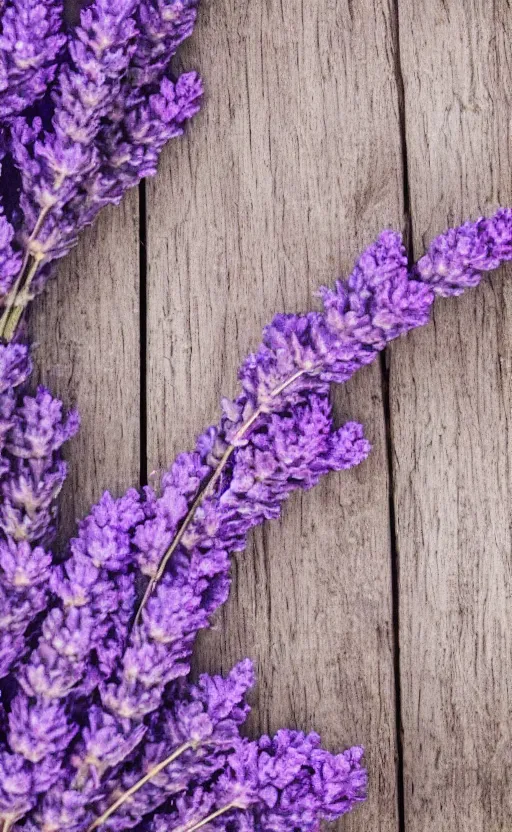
(32, 432)
(85, 113)
(104, 729)
(276, 784)
(30, 43)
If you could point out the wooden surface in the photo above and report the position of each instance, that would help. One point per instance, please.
(379, 609)
(451, 387)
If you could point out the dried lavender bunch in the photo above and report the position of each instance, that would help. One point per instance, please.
(112, 106)
(209, 501)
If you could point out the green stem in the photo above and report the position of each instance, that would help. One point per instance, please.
(12, 315)
(8, 322)
(139, 784)
(208, 489)
(9, 302)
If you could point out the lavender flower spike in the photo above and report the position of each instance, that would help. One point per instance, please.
(379, 301)
(279, 784)
(80, 638)
(30, 42)
(197, 727)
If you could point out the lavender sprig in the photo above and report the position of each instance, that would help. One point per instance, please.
(276, 784)
(163, 25)
(55, 165)
(380, 301)
(197, 728)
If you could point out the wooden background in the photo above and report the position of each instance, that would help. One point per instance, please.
(379, 610)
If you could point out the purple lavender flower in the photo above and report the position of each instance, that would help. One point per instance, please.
(30, 42)
(35, 472)
(287, 451)
(15, 367)
(279, 784)
(456, 259)
(78, 644)
(130, 149)
(163, 25)
(201, 719)
(55, 165)
(10, 260)
(32, 431)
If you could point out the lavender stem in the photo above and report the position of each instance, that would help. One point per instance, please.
(209, 819)
(14, 310)
(8, 322)
(140, 783)
(208, 490)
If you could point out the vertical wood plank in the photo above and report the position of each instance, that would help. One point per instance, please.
(293, 166)
(86, 333)
(451, 387)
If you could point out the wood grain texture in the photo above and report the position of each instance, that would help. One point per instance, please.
(86, 333)
(451, 393)
(293, 166)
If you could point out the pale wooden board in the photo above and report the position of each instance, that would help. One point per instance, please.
(86, 333)
(291, 169)
(451, 388)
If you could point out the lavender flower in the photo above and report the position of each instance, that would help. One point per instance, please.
(30, 43)
(200, 721)
(75, 651)
(55, 165)
(15, 368)
(10, 260)
(130, 149)
(288, 451)
(35, 471)
(456, 259)
(163, 25)
(284, 783)
(32, 432)
(96, 591)
(300, 354)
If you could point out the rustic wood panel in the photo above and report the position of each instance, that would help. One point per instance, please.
(86, 333)
(451, 398)
(293, 166)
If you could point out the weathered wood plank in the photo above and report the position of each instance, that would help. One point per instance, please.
(451, 388)
(293, 166)
(86, 333)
